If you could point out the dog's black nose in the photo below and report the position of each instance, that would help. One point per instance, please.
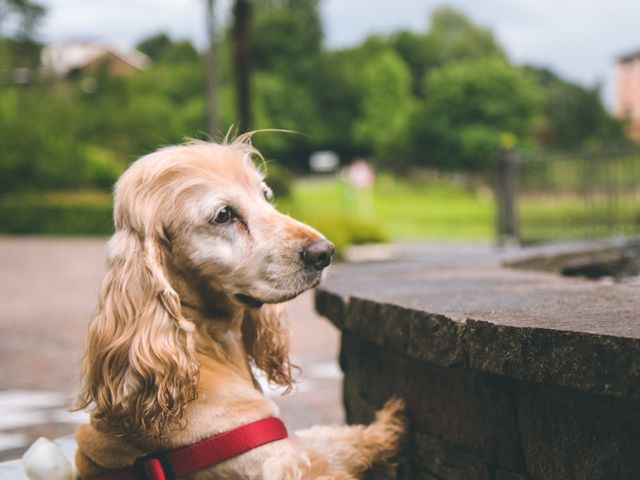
(317, 254)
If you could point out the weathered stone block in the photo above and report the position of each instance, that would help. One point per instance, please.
(564, 439)
(446, 461)
(452, 405)
(589, 363)
(500, 474)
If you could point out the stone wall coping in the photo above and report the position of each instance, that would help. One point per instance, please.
(461, 306)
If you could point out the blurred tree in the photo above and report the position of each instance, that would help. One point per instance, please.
(439, 98)
(181, 51)
(279, 103)
(575, 114)
(154, 46)
(338, 94)
(19, 48)
(27, 15)
(242, 19)
(132, 115)
(287, 47)
(413, 49)
(288, 37)
(469, 105)
(38, 152)
(453, 37)
(386, 106)
(160, 48)
(450, 38)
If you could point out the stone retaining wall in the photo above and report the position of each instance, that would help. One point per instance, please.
(493, 391)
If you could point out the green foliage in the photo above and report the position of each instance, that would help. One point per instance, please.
(38, 152)
(338, 95)
(286, 43)
(453, 37)
(575, 114)
(280, 180)
(134, 115)
(63, 136)
(56, 214)
(160, 48)
(412, 47)
(469, 105)
(23, 15)
(287, 37)
(278, 104)
(181, 51)
(103, 167)
(439, 98)
(387, 105)
(154, 46)
(22, 54)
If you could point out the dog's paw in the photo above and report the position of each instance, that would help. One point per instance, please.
(393, 408)
(389, 430)
(392, 416)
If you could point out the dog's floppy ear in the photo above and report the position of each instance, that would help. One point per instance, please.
(139, 367)
(266, 340)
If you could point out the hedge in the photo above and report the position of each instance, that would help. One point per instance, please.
(45, 218)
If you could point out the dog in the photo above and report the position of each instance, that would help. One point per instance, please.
(191, 303)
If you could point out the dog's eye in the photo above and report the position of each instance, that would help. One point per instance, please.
(224, 215)
(268, 194)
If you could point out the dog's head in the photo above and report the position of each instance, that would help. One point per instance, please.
(211, 206)
(194, 226)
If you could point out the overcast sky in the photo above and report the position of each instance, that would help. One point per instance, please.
(579, 39)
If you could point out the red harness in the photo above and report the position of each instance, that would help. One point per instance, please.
(206, 453)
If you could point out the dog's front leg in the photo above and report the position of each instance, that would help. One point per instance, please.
(352, 450)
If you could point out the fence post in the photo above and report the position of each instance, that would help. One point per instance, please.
(506, 198)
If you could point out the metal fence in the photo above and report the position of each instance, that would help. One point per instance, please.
(550, 196)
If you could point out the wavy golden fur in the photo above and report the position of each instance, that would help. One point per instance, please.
(196, 273)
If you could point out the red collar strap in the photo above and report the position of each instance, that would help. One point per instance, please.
(206, 453)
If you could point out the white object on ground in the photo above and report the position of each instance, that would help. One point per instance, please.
(44, 460)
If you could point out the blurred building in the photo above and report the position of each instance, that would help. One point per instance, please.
(75, 59)
(628, 87)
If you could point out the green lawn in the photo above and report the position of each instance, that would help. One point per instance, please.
(406, 210)
(403, 210)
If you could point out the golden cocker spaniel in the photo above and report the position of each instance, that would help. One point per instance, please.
(197, 270)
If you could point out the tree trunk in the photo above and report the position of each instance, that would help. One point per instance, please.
(242, 15)
(213, 127)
